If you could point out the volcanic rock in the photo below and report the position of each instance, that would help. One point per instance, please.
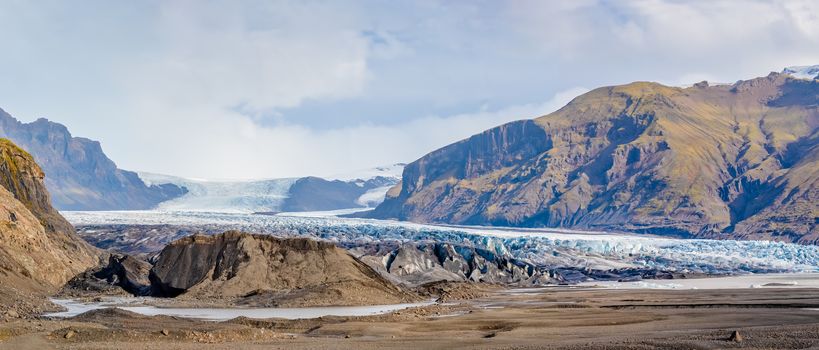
(122, 274)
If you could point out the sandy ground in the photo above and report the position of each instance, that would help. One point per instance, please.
(559, 318)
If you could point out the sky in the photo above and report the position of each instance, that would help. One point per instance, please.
(265, 89)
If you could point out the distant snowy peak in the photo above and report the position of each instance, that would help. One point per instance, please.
(393, 171)
(803, 72)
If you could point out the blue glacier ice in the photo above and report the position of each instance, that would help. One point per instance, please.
(552, 248)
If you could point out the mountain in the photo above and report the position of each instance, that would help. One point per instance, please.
(78, 174)
(736, 161)
(314, 193)
(39, 249)
(262, 269)
(357, 190)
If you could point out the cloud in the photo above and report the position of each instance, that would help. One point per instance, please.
(287, 88)
(665, 40)
(220, 54)
(236, 147)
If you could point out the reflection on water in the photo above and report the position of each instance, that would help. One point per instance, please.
(75, 308)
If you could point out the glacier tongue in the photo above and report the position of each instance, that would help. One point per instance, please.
(552, 248)
(285, 194)
(224, 196)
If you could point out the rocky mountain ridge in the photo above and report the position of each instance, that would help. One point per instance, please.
(79, 175)
(728, 161)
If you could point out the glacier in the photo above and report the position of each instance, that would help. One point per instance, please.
(552, 248)
(373, 197)
(223, 196)
(265, 195)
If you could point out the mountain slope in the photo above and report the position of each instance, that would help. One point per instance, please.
(39, 250)
(78, 174)
(706, 161)
(314, 193)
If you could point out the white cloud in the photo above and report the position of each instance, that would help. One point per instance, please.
(214, 53)
(235, 147)
(804, 14)
(216, 89)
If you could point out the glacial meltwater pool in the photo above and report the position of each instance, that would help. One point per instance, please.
(137, 305)
(771, 280)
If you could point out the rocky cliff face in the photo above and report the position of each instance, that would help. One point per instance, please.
(39, 250)
(727, 161)
(265, 270)
(78, 174)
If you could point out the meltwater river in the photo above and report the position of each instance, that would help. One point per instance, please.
(138, 305)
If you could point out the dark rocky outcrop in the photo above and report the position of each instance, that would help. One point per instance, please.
(264, 270)
(121, 274)
(420, 263)
(78, 174)
(724, 161)
(39, 249)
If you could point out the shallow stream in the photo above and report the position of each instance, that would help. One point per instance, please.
(137, 305)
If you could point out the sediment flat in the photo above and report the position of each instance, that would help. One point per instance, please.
(534, 318)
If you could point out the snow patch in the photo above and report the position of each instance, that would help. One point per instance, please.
(373, 197)
(803, 72)
(393, 171)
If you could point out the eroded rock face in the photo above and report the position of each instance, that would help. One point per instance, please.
(33, 231)
(39, 250)
(706, 161)
(295, 271)
(121, 274)
(79, 175)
